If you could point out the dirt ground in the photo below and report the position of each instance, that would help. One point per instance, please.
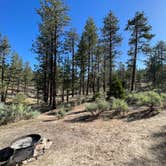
(136, 140)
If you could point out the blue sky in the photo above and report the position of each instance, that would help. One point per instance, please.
(19, 21)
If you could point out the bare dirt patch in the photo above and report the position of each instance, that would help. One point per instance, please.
(115, 142)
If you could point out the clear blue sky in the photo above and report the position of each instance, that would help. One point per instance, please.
(19, 21)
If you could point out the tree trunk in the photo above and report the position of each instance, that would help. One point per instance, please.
(104, 75)
(2, 79)
(55, 71)
(134, 62)
(110, 61)
(73, 67)
(88, 79)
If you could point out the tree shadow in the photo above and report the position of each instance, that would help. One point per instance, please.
(160, 148)
(41, 108)
(158, 151)
(82, 119)
(49, 120)
(78, 112)
(145, 114)
(141, 161)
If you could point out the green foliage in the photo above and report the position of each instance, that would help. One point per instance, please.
(102, 105)
(61, 113)
(64, 109)
(163, 99)
(136, 98)
(97, 107)
(152, 99)
(119, 106)
(91, 107)
(98, 95)
(117, 89)
(149, 98)
(15, 112)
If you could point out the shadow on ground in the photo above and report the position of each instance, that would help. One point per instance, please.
(158, 151)
(108, 115)
(145, 114)
(82, 119)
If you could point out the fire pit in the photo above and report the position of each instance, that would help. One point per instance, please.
(5, 155)
(20, 150)
(25, 141)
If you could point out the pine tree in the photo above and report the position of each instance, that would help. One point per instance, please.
(4, 51)
(27, 76)
(54, 18)
(90, 37)
(111, 39)
(140, 36)
(70, 46)
(81, 61)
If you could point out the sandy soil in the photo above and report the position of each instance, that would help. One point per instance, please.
(134, 141)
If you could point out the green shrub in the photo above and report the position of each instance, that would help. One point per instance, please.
(149, 98)
(117, 89)
(63, 110)
(92, 108)
(15, 112)
(152, 100)
(61, 113)
(98, 95)
(163, 98)
(135, 98)
(97, 107)
(103, 105)
(119, 106)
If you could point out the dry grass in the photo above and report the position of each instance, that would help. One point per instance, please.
(77, 142)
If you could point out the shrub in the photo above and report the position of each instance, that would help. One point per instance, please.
(98, 95)
(139, 98)
(15, 112)
(92, 108)
(63, 110)
(102, 105)
(149, 98)
(119, 106)
(97, 107)
(61, 113)
(163, 98)
(152, 100)
(117, 89)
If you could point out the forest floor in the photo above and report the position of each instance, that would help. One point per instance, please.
(136, 140)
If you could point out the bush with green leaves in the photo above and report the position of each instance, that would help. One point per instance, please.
(61, 113)
(103, 105)
(135, 98)
(152, 100)
(92, 108)
(97, 107)
(15, 112)
(163, 98)
(98, 95)
(116, 90)
(64, 109)
(120, 106)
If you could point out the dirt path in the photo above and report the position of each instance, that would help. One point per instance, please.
(97, 143)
